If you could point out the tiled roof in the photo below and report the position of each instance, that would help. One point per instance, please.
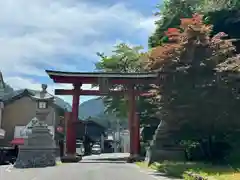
(2, 94)
(9, 97)
(4, 91)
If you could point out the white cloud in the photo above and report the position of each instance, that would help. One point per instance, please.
(148, 24)
(35, 33)
(22, 83)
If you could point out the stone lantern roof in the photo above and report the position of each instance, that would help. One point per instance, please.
(43, 94)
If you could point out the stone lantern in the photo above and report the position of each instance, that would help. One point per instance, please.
(39, 149)
(162, 147)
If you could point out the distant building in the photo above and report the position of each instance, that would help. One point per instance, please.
(125, 141)
(91, 129)
(18, 109)
(2, 131)
(2, 92)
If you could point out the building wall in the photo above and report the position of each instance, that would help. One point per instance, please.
(0, 117)
(1, 130)
(93, 130)
(125, 141)
(1, 108)
(19, 113)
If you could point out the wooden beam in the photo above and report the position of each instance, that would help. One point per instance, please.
(92, 92)
(94, 80)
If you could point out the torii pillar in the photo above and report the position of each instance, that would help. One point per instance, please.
(134, 124)
(71, 118)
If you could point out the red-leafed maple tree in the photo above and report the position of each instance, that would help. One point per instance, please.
(190, 44)
(194, 99)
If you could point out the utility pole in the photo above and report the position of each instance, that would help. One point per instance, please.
(117, 135)
(102, 143)
(118, 132)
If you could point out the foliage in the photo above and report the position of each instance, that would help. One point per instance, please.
(226, 21)
(190, 89)
(123, 59)
(219, 5)
(169, 14)
(216, 12)
(224, 15)
(187, 169)
(126, 59)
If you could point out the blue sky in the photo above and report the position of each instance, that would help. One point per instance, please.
(65, 35)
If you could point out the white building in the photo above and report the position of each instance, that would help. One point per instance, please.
(125, 141)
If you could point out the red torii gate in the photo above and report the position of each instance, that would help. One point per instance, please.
(102, 79)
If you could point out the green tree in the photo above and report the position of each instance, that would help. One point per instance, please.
(219, 5)
(169, 17)
(123, 59)
(221, 13)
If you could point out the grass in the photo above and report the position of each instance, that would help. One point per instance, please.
(180, 170)
(58, 163)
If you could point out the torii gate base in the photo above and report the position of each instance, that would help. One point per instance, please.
(77, 79)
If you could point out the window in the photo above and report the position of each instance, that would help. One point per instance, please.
(42, 104)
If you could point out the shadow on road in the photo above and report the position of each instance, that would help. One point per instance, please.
(111, 159)
(104, 162)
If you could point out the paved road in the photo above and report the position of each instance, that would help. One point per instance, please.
(107, 156)
(88, 169)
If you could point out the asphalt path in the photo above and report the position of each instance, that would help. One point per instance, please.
(95, 167)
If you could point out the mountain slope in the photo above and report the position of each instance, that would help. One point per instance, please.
(94, 109)
(91, 108)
